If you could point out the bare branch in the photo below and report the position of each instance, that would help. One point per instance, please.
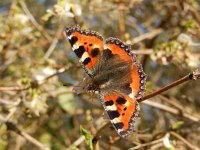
(54, 42)
(191, 76)
(32, 19)
(22, 88)
(15, 88)
(147, 144)
(142, 51)
(192, 147)
(148, 35)
(11, 126)
(171, 110)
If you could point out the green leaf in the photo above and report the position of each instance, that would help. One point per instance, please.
(88, 137)
(66, 101)
(45, 138)
(73, 148)
(3, 141)
(177, 125)
(61, 3)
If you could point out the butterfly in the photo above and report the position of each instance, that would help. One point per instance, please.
(113, 72)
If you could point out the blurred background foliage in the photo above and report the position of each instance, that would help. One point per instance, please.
(39, 110)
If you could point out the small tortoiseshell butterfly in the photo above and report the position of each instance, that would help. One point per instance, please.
(113, 72)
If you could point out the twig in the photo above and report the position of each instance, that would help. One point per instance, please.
(172, 102)
(147, 144)
(32, 19)
(22, 88)
(195, 14)
(192, 147)
(11, 126)
(7, 118)
(56, 94)
(95, 139)
(15, 88)
(60, 71)
(142, 51)
(148, 35)
(191, 76)
(97, 136)
(79, 141)
(132, 23)
(12, 111)
(171, 110)
(54, 42)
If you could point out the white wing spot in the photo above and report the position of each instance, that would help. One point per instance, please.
(75, 46)
(113, 107)
(84, 56)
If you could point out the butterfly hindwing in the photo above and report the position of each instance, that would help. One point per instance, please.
(122, 111)
(138, 77)
(87, 45)
(121, 105)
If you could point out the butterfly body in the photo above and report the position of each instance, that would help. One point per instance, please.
(113, 72)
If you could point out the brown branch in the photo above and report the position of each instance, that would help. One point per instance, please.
(171, 110)
(192, 147)
(23, 88)
(54, 42)
(172, 101)
(98, 134)
(15, 88)
(191, 76)
(60, 71)
(195, 14)
(32, 19)
(142, 51)
(77, 142)
(148, 35)
(11, 126)
(8, 117)
(147, 144)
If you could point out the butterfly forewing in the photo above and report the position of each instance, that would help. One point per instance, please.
(87, 45)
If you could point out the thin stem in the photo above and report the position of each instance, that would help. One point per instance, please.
(142, 51)
(191, 76)
(147, 144)
(15, 88)
(11, 126)
(23, 88)
(148, 35)
(171, 110)
(54, 42)
(184, 141)
(32, 19)
(98, 134)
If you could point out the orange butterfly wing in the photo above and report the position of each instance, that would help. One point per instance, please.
(123, 109)
(138, 77)
(87, 45)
